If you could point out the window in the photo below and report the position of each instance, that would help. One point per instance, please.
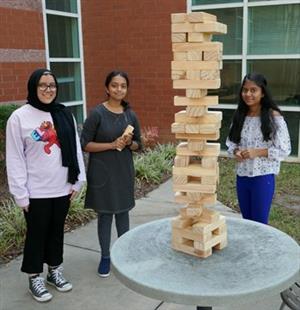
(63, 25)
(267, 41)
(274, 29)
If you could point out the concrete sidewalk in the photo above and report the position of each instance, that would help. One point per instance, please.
(81, 258)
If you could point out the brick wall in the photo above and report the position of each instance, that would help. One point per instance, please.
(133, 36)
(22, 47)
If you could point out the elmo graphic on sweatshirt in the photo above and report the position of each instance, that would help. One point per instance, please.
(47, 134)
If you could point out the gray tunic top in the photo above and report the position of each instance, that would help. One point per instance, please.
(110, 175)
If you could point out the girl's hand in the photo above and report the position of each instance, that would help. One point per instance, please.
(26, 208)
(249, 153)
(128, 138)
(238, 155)
(119, 144)
(73, 194)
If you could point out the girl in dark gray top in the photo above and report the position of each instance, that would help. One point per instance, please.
(110, 176)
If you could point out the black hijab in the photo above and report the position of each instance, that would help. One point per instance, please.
(63, 123)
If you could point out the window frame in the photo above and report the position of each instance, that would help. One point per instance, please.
(67, 60)
(244, 57)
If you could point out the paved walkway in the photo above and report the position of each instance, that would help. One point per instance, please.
(90, 292)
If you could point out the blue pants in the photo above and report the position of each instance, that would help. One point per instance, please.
(255, 196)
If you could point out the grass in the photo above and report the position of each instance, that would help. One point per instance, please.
(287, 185)
(152, 166)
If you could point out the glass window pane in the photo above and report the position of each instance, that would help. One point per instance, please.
(63, 36)
(77, 111)
(230, 82)
(274, 29)
(226, 122)
(199, 2)
(62, 5)
(232, 41)
(69, 80)
(283, 77)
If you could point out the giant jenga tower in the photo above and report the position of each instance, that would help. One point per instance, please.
(196, 68)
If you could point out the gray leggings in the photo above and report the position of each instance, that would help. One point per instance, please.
(104, 229)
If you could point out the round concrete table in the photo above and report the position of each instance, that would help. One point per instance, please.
(259, 261)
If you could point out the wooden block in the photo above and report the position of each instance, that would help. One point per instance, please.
(206, 46)
(195, 65)
(188, 247)
(188, 212)
(209, 180)
(200, 17)
(179, 222)
(195, 111)
(203, 227)
(190, 136)
(198, 37)
(209, 117)
(209, 162)
(193, 75)
(209, 244)
(179, 37)
(210, 27)
(204, 100)
(192, 128)
(181, 161)
(195, 187)
(183, 27)
(183, 167)
(178, 18)
(212, 55)
(187, 234)
(194, 84)
(201, 198)
(129, 129)
(208, 149)
(220, 230)
(195, 145)
(180, 56)
(222, 244)
(195, 93)
(209, 216)
(178, 127)
(209, 74)
(178, 74)
(180, 179)
(195, 55)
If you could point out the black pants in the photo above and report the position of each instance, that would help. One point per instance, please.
(45, 233)
(104, 229)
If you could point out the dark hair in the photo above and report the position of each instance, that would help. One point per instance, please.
(266, 114)
(123, 74)
(33, 82)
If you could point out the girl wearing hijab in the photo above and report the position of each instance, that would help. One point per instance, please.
(45, 170)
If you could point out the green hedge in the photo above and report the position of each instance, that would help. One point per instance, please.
(5, 112)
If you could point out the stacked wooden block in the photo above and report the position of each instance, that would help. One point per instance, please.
(196, 68)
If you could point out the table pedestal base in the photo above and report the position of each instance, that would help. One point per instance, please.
(203, 308)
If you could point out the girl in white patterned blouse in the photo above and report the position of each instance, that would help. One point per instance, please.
(258, 140)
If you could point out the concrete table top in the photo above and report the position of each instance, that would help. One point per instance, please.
(259, 261)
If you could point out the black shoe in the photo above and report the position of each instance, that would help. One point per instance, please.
(38, 289)
(56, 279)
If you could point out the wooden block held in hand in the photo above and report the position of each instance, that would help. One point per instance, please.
(129, 129)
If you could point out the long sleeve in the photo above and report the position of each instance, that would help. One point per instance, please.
(82, 176)
(16, 162)
(231, 147)
(281, 146)
(137, 130)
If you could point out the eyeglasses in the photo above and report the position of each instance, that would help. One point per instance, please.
(44, 87)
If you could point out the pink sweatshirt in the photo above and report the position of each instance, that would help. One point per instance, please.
(33, 157)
